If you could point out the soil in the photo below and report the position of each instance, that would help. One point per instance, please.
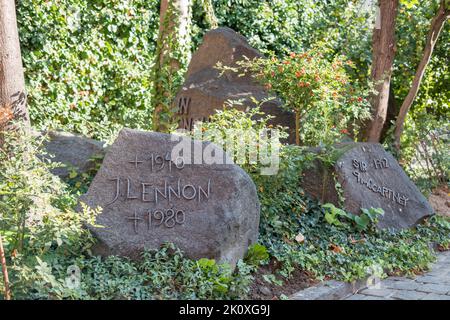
(263, 290)
(440, 200)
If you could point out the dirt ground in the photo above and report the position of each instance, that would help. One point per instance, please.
(440, 200)
(263, 290)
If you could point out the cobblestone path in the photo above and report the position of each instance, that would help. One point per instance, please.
(433, 285)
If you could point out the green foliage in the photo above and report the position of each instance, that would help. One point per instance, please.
(332, 215)
(162, 274)
(283, 26)
(425, 153)
(344, 250)
(281, 197)
(87, 70)
(337, 244)
(86, 63)
(38, 223)
(237, 132)
(79, 182)
(368, 218)
(48, 247)
(172, 58)
(409, 3)
(256, 254)
(426, 123)
(413, 24)
(347, 254)
(319, 92)
(34, 204)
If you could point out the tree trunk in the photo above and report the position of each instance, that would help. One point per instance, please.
(172, 53)
(383, 44)
(436, 27)
(12, 82)
(4, 270)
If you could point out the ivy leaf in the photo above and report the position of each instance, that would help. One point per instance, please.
(409, 3)
(72, 174)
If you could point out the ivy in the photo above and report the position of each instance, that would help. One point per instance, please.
(86, 63)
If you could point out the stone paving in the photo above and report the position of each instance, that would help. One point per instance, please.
(433, 285)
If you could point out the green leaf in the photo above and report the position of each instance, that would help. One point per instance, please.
(72, 174)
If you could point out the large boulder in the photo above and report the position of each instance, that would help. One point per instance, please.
(369, 177)
(153, 192)
(205, 91)
(73, 151)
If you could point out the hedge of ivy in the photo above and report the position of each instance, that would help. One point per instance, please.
(88, 62)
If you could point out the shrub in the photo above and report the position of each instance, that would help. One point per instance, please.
(48, 248)
(325, 103)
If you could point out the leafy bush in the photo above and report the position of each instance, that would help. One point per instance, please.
(346, 251)
(34, 203)
(162, 274)
(298, 233)
(48, 249)
(38, 222)
(87, 63)
(330, 251)
(326, 104)
(365, 221)
(278, 193)
(48, 253)
(244, 135)
(283, 26)
(87, 66)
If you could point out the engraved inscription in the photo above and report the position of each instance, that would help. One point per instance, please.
(160, 193)
(149, 192)
(187, 121)
(135, 220)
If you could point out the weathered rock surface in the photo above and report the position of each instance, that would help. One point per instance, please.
(151, 195)
(73, 151)
(205, 91)
(370, 177)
